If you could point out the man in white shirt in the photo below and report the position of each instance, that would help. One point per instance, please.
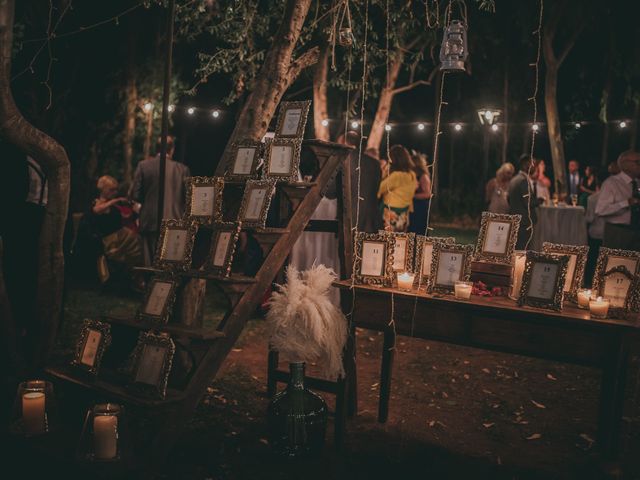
(574, 177)
(619, 204)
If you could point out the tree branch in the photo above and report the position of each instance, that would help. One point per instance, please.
(413, 85)
(570, 43)
(308, 58)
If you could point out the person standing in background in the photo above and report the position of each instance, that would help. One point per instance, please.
(145, 190)
(422, 197)
(397, 190)
(523, 199)
(574, 179)
(543, 183)
(589, 185)
(497, 189)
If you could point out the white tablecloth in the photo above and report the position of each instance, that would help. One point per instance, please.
(566, 225)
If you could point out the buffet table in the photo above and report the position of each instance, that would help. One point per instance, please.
(565, 225)
(498, 324)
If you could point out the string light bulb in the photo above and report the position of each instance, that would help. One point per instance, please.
(355, 124)
(325, 122)
(215, 113)
(457, 127)
(171, 107)
(535, 127)
(623, 124)
(191, 110)
(421, 126)
(148, 107)
(578, 125)
(494, 127)
(387, 127)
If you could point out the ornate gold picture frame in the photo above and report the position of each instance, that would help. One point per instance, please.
(622, 289)
(152, 360)
(95, 338)
(575, 268)
(403, 251)
(159, 298)
(175, 244)
(243, 160)
(424, 256)
(292, 118)
(497, 237)
(204, 199)
(282, 159)
(223, 246)
(543, 280)
(609, 258)
(255, 202)
(373, 259)
(450, 262)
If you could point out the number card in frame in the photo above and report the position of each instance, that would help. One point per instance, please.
(450, 263)
(292, 118)
(255, 202)
(543, 280)
(373, 258)
(424, 256)
(575, 268)
(204, 199)
(282, 159)
(175, 244)
(497, 237)
(403, 251)
(243, 160)
(609, 258)
(621, 288)
(152, 360)
(223, 246)
(158, 300)
(95, 337)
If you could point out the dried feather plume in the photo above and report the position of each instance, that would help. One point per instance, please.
(304, 324)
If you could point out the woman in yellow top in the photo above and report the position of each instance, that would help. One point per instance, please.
(397, 190)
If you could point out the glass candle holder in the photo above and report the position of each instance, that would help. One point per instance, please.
(462, 290)
(34, 408)
(599, 307)
(103, 436)
(519, 261)
(584, 295)
(405, 281)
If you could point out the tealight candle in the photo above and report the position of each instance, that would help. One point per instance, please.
(462, 290)
(33, 412)
(584, 295)
(599, 308)
(405, 280)
(518, 271)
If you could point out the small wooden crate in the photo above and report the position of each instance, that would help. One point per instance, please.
(491, 274)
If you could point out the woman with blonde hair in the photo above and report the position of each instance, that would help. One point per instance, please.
(497, 189)
(422, 197)
(397, 190)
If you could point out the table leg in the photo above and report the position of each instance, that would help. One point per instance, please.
(388, 353)
(612, 387)
(272, 366)
(351, 373)
(341, 412)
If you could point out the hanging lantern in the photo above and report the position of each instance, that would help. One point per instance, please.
(453, 52)
(345, 37)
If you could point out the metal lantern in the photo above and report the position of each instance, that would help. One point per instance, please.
(453, 52)
(35, 409)
(345, 37)
(104, 435)
(488, 116)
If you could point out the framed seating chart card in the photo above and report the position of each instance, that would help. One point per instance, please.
(403, 251)
(243, 159)
(158, 300)
(497, 237)
(204, 199)
(282, 159)
(255, 202)
(621, 288)
(175, 244)
(450, 262)
(292, 118)
(152, 360)
(609, 258)
(223, 247)
(575, 268)
(94, 339)
(373, 258)
(424, 255)
(543, 280)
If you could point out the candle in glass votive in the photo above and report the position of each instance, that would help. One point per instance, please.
(520, 257)
(584, 295)
(405, 280)
(105, 436)
(599, 308)
(33, 412)
(462, 290)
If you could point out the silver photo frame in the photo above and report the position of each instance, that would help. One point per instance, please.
(424, 256)
(95, 338)
(543, 280)
(152, 361)
(403, 252)
(243, 160)
(282, 159)
(223, 246)
(622, 289)
(204, 199)
(450, 263)
(158, 301)
(497, 237)
(175, 244)
(292, 119)
(575, 268)
(255, 203)
(373, 264)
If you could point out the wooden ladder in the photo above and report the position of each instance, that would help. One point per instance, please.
(244, 294)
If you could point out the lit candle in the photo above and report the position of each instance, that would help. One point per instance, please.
(584, 295)
(105, 436)
(405, 280)
(599, 307)
(33, 412)
(462, 290)
(518, 271)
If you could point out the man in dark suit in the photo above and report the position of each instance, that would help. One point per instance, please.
(574, 179)
(523, 199)
(145, 190)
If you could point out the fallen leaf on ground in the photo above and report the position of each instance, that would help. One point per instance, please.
(488, 425)
(535, 436)
(236, 349)
(265, 441)
(488, 392)
(539, 405)
(486, 370)
(466, 377)
(587, 438)
(551, 377)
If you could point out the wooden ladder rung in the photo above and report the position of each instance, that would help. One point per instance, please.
(233, 278)
(198, 333)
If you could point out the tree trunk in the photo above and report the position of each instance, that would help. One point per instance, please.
(52, 158)
(146, 149)
(276, 75)
(553, 126)
(131, 96)
(634, 126)
(604, 112)
(320, 110)
(505, 116)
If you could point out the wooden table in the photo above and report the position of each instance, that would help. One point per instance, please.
(498, 324)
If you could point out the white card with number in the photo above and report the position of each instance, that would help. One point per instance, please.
(373, 254)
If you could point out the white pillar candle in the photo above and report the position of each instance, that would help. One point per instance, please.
(462, 290)
(518, 271)
(599, 307)
(105, 436)
(33, 412)
(584, 296)
(405, 280)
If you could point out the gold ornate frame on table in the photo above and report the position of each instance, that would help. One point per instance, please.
(282, 115)
(89, 326)
(192, 184)
(514, 225)
(580, 252)
(632, 297)
(233, 228)
(259, 222)
(293, 173)
(555, 303)
(167, 304)
(422, 279)
(151, 339)
(233, 157)
(609, 258)
(410, 244)
(190, 229)
(440, 248)
(388, 242)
